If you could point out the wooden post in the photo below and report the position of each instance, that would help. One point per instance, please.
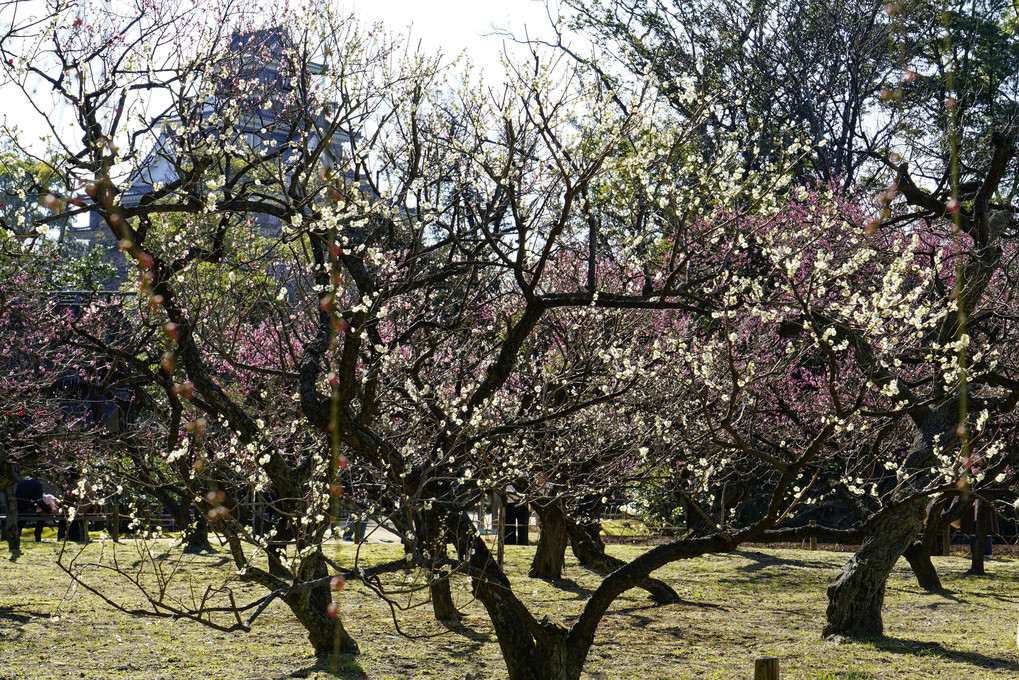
(360, 524)
(115, 523)
(766, 668)
(813, 546)
(946, 542)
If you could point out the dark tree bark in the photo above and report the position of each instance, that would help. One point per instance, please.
(919, 553)
(442, 601)
(531, 649)
(550, 555)
(434, 535)
(311, 607)
(196, 535)
(919, 557)
(980, 531)
(195, 529)
(11, 531)
(176, 499)
(589, 549)
(857, 596)
(9, 483)
(547, 650)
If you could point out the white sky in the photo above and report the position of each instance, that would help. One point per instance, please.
(455, 25)
(449, 26)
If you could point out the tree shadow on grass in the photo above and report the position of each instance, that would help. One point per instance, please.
(937, 650)
(18, 615)
(638, 614)
(469, 651)
(461, 629)
(214, 561)
(692, 604)
(945, 597)
(568, 585)
(760, 560)
(344, 666)
(996, 569)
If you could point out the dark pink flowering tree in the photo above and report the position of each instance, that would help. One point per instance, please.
(49, 415)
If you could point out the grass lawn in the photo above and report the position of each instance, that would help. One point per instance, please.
(737, 607)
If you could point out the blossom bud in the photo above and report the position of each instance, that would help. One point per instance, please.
(53, 202)
(197, 427)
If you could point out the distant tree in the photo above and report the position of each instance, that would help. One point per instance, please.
(782, 72)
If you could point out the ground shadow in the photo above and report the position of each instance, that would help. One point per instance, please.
(17, 615)
(636, 616)
(460, 629)
(469, 651)
(944, 594)
(760, 560)
(681, 603)
(936, 649)
(568, 585)
(214, 560)
(981, 579)
(338, 666)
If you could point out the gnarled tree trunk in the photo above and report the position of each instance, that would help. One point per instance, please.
(550, 555)
(855, 599)
(588, 548)
(857, 596)
(11, 531)
(919, 553)
(435, 538)
(196, 535)
(8, 484)
(981, 524)
(919, 556)
(442, 601)
(194, 530)
(311, 607)
(531, 650)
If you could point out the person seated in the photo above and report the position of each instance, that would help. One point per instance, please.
(32, 503)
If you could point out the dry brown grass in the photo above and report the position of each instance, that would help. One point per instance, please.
(737, 606)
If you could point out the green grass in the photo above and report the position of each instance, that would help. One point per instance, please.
(739, 606)
(624, 527)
